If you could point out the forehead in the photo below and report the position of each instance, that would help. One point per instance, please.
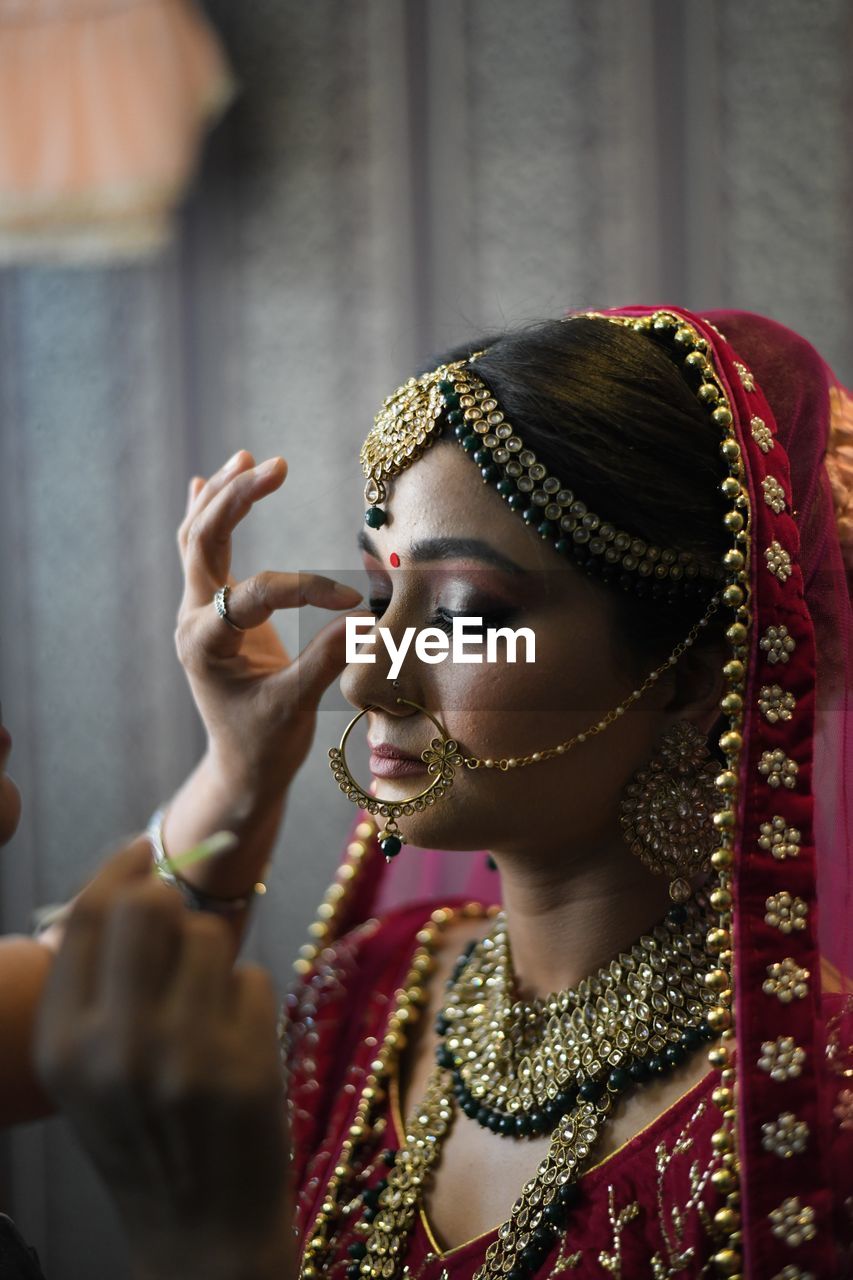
(442, 495)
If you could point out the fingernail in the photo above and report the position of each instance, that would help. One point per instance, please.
(342, 589)
(232, 461)
(268, 467)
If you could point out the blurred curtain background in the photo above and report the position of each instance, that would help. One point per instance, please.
(394, 175)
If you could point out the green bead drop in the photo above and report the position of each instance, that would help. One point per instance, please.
(391, 846)
(375, 517)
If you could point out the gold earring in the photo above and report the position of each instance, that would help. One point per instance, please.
(666, 809)
(441, 757)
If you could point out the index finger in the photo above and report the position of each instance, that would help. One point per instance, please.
(202, 492)
(207, 559)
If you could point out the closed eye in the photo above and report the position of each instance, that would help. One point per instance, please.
(444, 618)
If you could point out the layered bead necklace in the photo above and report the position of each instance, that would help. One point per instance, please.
(523, 1069)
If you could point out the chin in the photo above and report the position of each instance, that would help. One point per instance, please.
(445, 825)
(10, 808)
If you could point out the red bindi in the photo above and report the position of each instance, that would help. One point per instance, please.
(395, 559)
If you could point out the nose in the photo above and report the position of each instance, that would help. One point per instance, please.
(368, 680)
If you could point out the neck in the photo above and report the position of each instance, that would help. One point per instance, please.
(564, 923)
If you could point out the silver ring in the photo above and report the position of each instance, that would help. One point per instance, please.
(220, 603)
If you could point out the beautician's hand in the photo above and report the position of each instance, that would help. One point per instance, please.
(165, 1061)
(258, 704)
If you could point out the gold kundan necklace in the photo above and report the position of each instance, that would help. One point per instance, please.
(520, 1068)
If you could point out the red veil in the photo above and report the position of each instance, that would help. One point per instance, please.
(797, 395)
(792, 844)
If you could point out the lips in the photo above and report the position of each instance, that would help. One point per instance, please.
(390, 752)
(388, 761)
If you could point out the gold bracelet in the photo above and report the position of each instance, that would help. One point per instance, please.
(195, 899)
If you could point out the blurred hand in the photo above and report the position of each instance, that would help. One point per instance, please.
(165, 1061)
(258, 705)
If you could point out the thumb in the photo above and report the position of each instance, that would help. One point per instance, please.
(322, 659)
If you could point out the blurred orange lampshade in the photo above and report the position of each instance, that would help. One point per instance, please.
(103, 105)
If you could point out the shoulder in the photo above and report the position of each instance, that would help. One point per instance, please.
(336, 1010)
(365, 965)
(362, 959)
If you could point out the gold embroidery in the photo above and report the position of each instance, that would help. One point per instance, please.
(787, 981)
(777, 643)
(840, 1059)
(839, 464)
(409, 1274)
(843, 1110)
(785, 912)
(673, 1220)
(677, 1256)
(326, 928)
(566, 1262)
(779, 839)
(779, 770)
(792, 1222)
(785, 1136)
(761, 434)
(612, 1262)
(774, 494)
(782, 1059)
(778, 560)
(776, 703)
(717, 331)
(745, 376)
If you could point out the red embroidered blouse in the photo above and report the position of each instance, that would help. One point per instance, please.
(643, 1211)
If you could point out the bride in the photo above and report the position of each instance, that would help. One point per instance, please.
(632, 1056)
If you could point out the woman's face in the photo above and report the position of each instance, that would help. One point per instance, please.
(463, 551)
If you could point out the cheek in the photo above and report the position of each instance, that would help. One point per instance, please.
(540, 808)
(515, 707)
(512, 711)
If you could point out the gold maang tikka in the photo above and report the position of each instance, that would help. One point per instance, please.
(453, 398)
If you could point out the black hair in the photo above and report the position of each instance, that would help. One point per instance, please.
(608, 411)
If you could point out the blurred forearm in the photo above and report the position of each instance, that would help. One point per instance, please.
(208, 802)
(24, 968)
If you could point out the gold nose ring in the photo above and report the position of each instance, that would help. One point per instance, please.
(441, 757)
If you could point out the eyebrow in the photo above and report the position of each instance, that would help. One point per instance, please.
(447, 549)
